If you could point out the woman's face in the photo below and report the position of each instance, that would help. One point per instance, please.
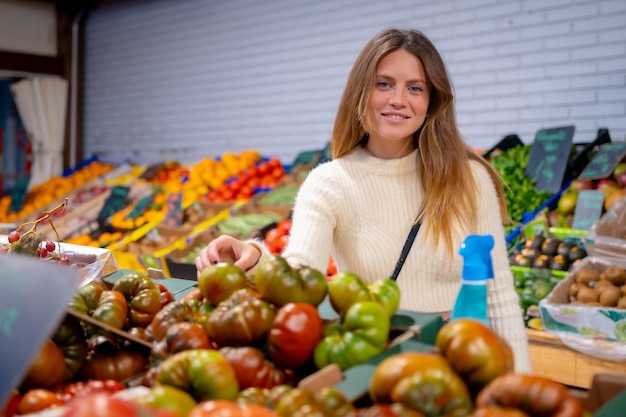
(398, 103)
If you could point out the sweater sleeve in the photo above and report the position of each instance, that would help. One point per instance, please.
(505, 314)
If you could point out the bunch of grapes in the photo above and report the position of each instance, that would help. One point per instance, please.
(30, 243)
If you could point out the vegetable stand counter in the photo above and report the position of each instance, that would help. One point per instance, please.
(550, 358)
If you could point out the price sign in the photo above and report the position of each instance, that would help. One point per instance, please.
(19, 194)
(33, 297)
(114, 202)
(605, 161)
(588, 209)
(174, 216)
(548, 157)
(141, 207)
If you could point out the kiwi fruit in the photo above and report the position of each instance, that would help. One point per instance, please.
(614, 274)
(609, 296)
(586, 275)
(573, 291)
(622, 303)
(587, 295)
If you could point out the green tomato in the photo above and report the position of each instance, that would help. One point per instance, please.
(166, 397)
(217, 282)
(281, 284)
(347, 289)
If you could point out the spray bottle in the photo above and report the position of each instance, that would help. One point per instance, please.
(471, 302)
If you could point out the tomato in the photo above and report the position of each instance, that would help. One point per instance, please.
(182, 336)
(107, 306)
(224, 408)
(242, 319)
(217, 282)
(385, 410)
(10, 407)
(189, 310)
(333, 401)
(298, 402)
(284, 226)
(251, 367)
(474, 351)
(494, 411)
(83, 388)
(121, 365)
(347, 288)
(70, 338)
(166, 295)
(166, 397)
(142, 295)
(422, 381)
(280, 284)
(105, 405)
(532, 394)
(47, 368)
(296, 331)
(361, 335)
(275, 240)
(38, 399)
(204, 373)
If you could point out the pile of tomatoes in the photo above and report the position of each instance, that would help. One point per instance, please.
(265, 174)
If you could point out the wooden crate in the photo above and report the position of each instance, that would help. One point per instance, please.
(550, 358)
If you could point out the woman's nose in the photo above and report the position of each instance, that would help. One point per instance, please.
(398, 97)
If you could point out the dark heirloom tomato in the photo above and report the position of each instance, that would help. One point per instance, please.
(47, 368)
(346, 289)
(280, 284)
(384, 410)
(70, 338)
(182, 336)
(217, 282)
(361, 335)
(493, 411)
(120, 365)
(251, 367)
(296, 331)
(242, 319)
(142, 295)
(532, 394)
(203, 373)
(192, 311)
(107, 306)
(475, 352)
(298, 402)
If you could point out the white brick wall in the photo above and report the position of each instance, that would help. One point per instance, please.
(186, 79)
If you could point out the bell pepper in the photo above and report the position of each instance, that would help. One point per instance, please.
(361, 334)
(346, 289)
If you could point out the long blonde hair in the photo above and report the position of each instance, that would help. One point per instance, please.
(449, 187)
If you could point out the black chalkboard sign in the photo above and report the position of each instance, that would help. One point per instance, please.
(605, 161)
(548, 157)
(19, 194)
(114, 202)
(33, 297)
(174, 214)
(141, 206)
(588, 209)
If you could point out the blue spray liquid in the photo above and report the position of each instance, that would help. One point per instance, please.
(471, 302)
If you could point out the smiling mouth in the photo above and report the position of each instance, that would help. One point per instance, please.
(395, 116)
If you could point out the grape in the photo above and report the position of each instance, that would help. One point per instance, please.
(50, 246)
(14, 236)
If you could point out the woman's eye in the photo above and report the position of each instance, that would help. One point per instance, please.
(383, 84)
(415, 89)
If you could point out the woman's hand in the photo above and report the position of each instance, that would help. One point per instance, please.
(226, 248)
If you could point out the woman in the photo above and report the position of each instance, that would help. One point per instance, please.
(398, 158)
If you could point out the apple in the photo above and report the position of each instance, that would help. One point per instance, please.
(582, 184)
(613, 198)
(606, 183)
(555, 219)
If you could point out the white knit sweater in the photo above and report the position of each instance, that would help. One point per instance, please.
(361, 208)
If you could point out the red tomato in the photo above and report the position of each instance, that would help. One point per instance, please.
(296, 332)
(245, 192)
(224, 408)
(38, 399)
(83, 388)
(332, 267)
(104, 405)
(278, 173)
(264, 169)
(10, 407)
(284, 226)
(166, 295)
